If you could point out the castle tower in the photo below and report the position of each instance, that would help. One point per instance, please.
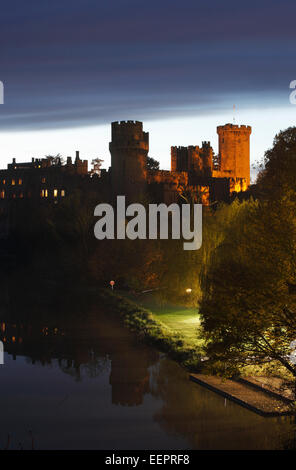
(193, 158)
(234, 151)
(129, 148)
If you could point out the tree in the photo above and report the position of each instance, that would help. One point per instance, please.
(278, 174)
(248, 307)
(55, 159)
(152, 164)
(96, 166)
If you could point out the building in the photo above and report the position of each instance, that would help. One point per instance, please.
(196, 173)
(44, 178)
(41, 181)
(194, 169)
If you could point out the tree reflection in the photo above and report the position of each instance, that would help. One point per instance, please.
(82, 344)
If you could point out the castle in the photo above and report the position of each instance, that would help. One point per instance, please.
(196, 169)
(196, 173)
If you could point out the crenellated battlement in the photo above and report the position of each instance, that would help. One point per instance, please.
(124, 126)
(234, 127)
(129, 133)
(122, 123)
(182, 148)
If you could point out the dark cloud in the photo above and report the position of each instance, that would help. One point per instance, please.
(76, 62)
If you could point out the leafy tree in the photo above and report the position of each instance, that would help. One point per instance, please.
(96, 166)
(248, 306)
(152, 164)
(278, 174)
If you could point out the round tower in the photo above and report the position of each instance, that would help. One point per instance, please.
(234, 150)
(129, 148)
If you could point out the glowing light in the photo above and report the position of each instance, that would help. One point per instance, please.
(188, 291)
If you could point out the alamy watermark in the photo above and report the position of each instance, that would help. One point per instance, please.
(186, 222)
(1, 353)
(292, 355)
(293, 93)
(1, 93)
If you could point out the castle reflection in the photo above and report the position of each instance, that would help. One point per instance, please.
(95, 344)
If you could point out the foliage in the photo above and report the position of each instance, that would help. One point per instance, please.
(96, 166)
(278, 174)
(248, 308)
(152, 164)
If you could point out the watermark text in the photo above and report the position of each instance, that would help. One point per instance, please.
(1, 353)
(1, 93)
(186, 222)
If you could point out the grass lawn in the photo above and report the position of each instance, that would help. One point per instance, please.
(179, 319)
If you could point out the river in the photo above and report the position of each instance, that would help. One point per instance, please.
(82, 381)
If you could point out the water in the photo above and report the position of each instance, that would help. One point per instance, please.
(82, 381)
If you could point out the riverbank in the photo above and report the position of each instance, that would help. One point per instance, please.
(175, 330)
(180, 319)
(150, 328)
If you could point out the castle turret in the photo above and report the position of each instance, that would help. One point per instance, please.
(129, 148)
(193, 158)
(234, 151)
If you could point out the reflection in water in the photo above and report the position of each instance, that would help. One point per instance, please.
(81, 380)
(98, 344)
(208, 420)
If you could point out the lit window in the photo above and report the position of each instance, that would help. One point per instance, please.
(63, 193)
(55, 193)
(20, 181)
(46, 193)
(42, 193)
(4, 181)
(43, 180)
(13, 182)
(21, 195)
(2, 194)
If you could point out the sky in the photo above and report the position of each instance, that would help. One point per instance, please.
(70, 67)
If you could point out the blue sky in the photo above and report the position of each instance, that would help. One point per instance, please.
(70, 67)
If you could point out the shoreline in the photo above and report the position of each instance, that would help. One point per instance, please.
(152, 331)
